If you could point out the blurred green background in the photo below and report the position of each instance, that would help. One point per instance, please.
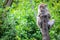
(18, 22)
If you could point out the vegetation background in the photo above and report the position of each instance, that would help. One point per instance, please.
(18, 21)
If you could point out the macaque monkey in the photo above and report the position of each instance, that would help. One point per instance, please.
(43, 11)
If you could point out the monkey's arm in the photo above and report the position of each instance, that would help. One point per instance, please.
(48, 13)
(38, 21)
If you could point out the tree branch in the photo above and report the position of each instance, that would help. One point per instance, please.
(7, 3)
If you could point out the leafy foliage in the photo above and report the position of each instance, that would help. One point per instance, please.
(18, 22)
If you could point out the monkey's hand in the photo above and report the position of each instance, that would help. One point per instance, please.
(50, 23)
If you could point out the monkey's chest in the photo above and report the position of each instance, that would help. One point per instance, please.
(44, 18)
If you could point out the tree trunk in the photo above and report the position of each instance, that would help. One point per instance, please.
(7, 3)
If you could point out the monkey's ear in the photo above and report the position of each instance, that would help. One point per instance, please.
(45, 5)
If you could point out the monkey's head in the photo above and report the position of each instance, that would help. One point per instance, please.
(42, 6)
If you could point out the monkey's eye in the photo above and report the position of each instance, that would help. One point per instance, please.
(45, 5)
